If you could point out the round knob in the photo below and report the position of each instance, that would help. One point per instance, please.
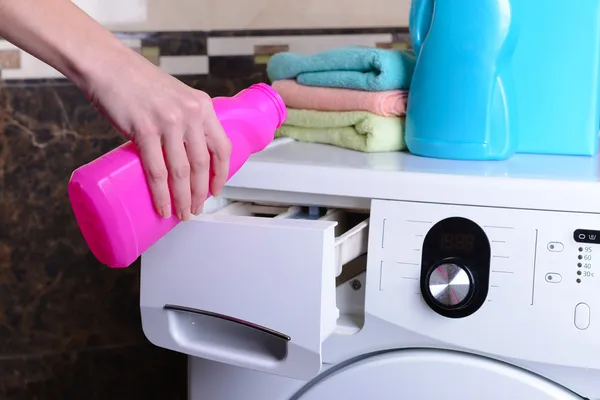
(449, 285)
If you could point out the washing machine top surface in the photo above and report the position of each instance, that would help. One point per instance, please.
(521, 166)
(524, 181)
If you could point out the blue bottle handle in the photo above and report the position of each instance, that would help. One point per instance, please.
(421, 13)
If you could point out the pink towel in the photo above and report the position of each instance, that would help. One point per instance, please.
(390, 103)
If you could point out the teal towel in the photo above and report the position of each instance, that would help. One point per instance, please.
(360, 68)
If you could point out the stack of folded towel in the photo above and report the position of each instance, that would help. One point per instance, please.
(352, 97)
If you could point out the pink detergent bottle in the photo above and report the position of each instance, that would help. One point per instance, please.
(110, 196)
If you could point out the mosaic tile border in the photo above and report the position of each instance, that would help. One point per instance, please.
(218, 53)
(309, 32)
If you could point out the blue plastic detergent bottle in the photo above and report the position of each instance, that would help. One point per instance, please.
(461, 99)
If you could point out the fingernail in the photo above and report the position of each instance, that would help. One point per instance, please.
(165, 212)
(183, 216)
(198, 209)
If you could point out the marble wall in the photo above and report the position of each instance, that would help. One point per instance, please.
(70, 327)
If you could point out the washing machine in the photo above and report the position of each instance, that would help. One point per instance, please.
(323, 273)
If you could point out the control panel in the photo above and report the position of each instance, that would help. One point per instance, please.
(455, 267)
(501, 281)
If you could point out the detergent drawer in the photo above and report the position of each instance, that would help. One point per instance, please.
(251, 285)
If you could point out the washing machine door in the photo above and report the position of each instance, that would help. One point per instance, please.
(429, 375)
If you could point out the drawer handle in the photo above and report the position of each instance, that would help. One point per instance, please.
(263, 329)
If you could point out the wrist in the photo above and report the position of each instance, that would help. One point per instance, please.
(98, 60)
(63, 36)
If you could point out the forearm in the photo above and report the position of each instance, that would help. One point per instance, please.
(60, 34)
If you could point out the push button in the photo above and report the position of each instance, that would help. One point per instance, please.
(553, 278)
(556, 246)
(586, 236)
(582, 316)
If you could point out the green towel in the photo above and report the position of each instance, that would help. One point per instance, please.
(356, 130)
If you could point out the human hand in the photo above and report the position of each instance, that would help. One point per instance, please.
(156, 111)
(175, 128)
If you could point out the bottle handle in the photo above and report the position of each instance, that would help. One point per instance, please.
(421, 14)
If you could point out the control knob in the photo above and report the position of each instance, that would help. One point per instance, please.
(450, 285)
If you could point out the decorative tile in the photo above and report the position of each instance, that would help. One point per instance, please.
(395, 46)
(31, 68)
(226, 66)
(303, 44)
(164, 49)
(184, 65)
(307, 32)
(10, 59)
(130, 40)
(177, 43)
(398, 37)
(270, 49)
(262, 53)
(152, 54)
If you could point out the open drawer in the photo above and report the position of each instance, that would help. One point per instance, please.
(251, 285)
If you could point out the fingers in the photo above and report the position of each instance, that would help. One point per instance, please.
(156, 173)
(199, 160)
(179, 175)
(195, 145)
(219, 147)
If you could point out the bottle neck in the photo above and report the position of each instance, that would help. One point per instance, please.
(278, 103)
(252, 116)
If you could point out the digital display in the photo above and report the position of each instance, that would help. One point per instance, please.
(458, 242)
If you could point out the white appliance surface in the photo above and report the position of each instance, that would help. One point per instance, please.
(418, 278)
(524, 181)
